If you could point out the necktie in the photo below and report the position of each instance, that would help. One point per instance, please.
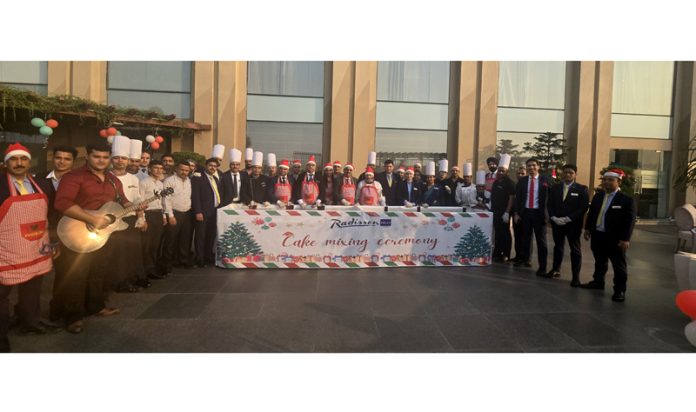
(282, 180)
(22, 190)
(213, 182)
(310, 177)
(234, 185)
(602, 210)
(565, 191)
(389, 180)
(530, 204)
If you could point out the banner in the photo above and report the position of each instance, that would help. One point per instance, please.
(351, 237)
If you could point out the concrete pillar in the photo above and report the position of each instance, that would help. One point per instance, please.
(204, 86)
(59, 78)
(340, 120)
(364, 114)
(604, 74)
(467, 112)
(684, 127)
(579, 123)
(231, 108)
(89, 80)
(488, 112)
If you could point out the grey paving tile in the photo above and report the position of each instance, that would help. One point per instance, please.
(226, 335)
(587, 330)
(158, 335)
(408, 334)
(531, 331)
(345, 334)
(395, 304)
(285, 334)
(132, 305)
(178, 306)
(344, 304)
(200, 284)
(234, 305)
(288, 305)
(341, 281)
(98, 336)
(474, 332)
(445, 303)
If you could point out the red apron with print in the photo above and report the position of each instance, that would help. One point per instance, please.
(23, 232)
(348, 191)
(369, 196)
(310, 191)
(282, 191)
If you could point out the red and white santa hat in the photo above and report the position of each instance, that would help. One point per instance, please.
(16, 149)
(328, 166)
(369, 171)
(284, 164)
(348, 166)
(296, 162)
(337, 163)
(617, 173)
(411, 170)
(401, 168)
(311, 160)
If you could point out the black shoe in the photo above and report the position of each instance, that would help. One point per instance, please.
(200, 265)
(524, 263)
(143, 283)
(127, 288)
(499, 259)
(593, 284)
(32, 330)
(541, 272)
(155, 276)
(618, 296)
(552, 274)
(575, 283)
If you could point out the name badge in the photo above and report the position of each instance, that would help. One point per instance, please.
(575, 194)
(616, 207)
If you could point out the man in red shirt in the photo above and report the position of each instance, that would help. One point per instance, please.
(80, 276)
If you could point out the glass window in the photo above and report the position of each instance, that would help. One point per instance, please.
(164, 87)
(651, 170)
(286, 78)
(425, 82)
(642, 99)
(407, 147)
(287, 140)
(25, 75)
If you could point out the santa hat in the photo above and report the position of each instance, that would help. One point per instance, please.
(369, 171)
(348, 166)
(272, 159)
(410, 169)
(372, 158)
(328, 166)
(120, 146)
(258, 159)
(16, 149)
(311, 160)
(235, 155)
(296, 162)
(218, 151)
(505, 161)
(443, 166)
(617, 173)
(401, 168)
(430, 168)
(136, 148)
(249, 154)
(337, 163)
(284, 164)
(480, 177)
(468, 169)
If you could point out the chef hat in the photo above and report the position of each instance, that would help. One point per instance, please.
(430, 168)
(136, 148)
(235, 155)
(480, 177)
(443, 165)
(218, 151)
(249, 155)
(258, 159)
(468, 170)
(505, 161)
(372, 158)
(120, 146)
(271, 159)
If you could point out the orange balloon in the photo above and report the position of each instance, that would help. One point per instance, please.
(111, 131)
(154, 145)
(159, 139)
(103, 133)
(51, 123)
(686, 301)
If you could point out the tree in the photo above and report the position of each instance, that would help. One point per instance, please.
(506, 146)
(237, 242)
(550, 149)
(474, 244)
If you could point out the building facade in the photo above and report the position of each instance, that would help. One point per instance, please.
(637, 114)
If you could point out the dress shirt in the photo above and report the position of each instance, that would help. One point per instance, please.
(26, 184)
(148, 187)
(215, 185)
(606, 203)
(54, 180)
(566, 189)
(180, 200)
(535, 181)
(142, 173)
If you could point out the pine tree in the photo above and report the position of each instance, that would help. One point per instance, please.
(550, 149)
(236, 242)
(473, 244)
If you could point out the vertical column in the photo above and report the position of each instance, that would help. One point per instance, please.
(341, 114)
(684, 127)
(488, 112)
(604, 74)
(467, 112)
(579, 124)
(231, 114)
(89, 80)
(59, 79)
(365, 113)
(204, 105)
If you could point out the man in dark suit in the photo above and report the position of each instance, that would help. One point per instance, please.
(389, 180)
(256, 189)
(568, 203)
(609, 225)
(531, 195)
(233, 180)
(206, 197)
(408, 192)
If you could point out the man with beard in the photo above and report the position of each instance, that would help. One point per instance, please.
(205, 200)
(450, 184)
(337, 166)
(248, 157)
(168, 164)
(345, 186)
(176, 247)
(256, 189)
(492, 164)
(295, 172)
(272, 165)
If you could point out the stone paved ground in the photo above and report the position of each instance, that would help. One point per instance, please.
(493, 309)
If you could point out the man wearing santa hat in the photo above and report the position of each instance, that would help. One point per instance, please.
(345, 186)
(272, 165)
(295, 171)
(24, 239)
(465, 194)
(401, 171)
(371, 163)
(337, 166)
(281, 186)
(502, 200)
(389, 181)
(408, 192)
(609, 225)
(306, 188)
(369, 190)
(257, 190)
(232, 180)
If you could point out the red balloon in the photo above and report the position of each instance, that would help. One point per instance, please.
(154, 145)
(159, 139)
(686, 301)
(51, 123)
(111, 131)
(103, 133)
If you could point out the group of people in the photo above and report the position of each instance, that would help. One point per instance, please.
(180, 229)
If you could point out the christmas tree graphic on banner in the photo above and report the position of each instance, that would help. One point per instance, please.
(473, 247)
(237, 242)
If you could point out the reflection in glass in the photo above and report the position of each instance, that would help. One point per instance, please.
(286, 78)
(29, 75)
(287, 140)
(651, 168)
(412, 81)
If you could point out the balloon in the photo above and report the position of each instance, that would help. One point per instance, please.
(159, 139)
(110, 139)
(686, 301)
(111, 131)
(46, 131)
(103, 133)
(36, 122)
(154, 145)
(51, 123)
(149, 138)
(118, 133)
(690, 332)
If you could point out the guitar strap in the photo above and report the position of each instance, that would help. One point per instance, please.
(117, 197)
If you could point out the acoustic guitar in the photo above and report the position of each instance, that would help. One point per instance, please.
(82, 237)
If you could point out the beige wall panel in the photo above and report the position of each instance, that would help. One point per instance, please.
(342, 87)
(59, 80)
(586, 122)
(365, 113)
(468, 104)
(231, 105)
(204, 104)
(89, 80)
(605, 81)
(639, 144)
(488, 112)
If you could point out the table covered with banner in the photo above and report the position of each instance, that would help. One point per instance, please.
(352, 237)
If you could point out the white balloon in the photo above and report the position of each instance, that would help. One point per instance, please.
(149, 138)
(110, 139)
(690, 332)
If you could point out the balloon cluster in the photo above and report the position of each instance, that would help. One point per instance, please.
(686, 301)
(45, 128)
(154, 142)
(109, 134)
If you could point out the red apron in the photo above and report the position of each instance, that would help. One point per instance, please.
(282, 191)
(23, 232)
(369, 195)
(348, 191)
(310, 191)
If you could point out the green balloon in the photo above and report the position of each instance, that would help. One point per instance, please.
(46, 131)
(118, 133)
(36, 122)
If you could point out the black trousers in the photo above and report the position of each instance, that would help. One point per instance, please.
(571, 232)
(502, 237)
(605, 248)
(125, 243)
(518, 231)
(206, 232)
(534, 221)
(151, 240)
(28, 304)
(78, 289)
(176, 248)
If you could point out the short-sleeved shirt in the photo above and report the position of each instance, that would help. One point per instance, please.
(501, 191)
(84, 188)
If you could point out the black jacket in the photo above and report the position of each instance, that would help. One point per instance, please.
(521, 193)
(389, 193)
(228, 189)
(575, 205)
(416, 196)
(203, 196)
(297, 185)
(257, 189)
(619, 219)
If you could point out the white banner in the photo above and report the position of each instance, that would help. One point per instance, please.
(352, 237)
